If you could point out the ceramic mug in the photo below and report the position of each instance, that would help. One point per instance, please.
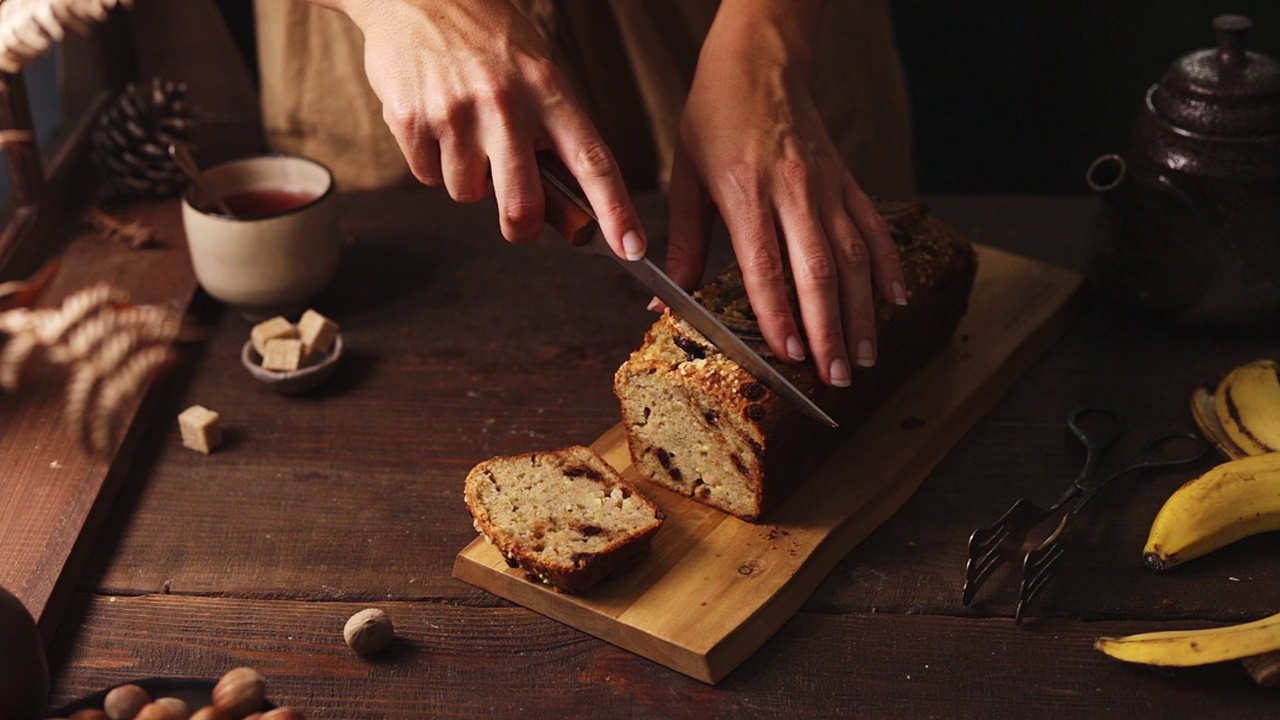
(280, 244)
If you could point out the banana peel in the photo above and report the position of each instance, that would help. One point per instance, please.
(1186, 648)
(1247, 404)
(1204, 412)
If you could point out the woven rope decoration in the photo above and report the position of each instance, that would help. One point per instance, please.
(110, 348)
(29, 27)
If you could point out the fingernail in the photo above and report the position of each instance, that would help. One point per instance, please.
(866, 353)
(840, 373)
(899, 293)
(794, 348)
(632, 245)
(654, 305)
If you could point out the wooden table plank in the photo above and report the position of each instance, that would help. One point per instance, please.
(465, 348)
(55, 494)
(456, 661)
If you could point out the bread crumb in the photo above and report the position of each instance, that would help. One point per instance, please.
(267, 330)
(201, 429)
(283, 355)
(317, 332)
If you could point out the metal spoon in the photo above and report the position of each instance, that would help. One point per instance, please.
(187, 164)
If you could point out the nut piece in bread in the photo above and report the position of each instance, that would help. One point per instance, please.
(201, 428)
(566, 517)
(700, 425)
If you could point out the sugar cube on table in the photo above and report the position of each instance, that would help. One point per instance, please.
(316, 332)
(282, 354)
(200, 427)
(267, 330)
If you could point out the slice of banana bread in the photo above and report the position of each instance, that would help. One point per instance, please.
(565, 516)
(699, 424)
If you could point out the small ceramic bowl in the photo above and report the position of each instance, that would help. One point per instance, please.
(292, 382)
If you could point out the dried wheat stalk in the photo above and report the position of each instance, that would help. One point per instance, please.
(135, 234)
(111, 349)
(29, 27)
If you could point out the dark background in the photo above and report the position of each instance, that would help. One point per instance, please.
(1018, 96)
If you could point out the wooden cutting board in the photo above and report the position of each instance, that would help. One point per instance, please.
(714, 587)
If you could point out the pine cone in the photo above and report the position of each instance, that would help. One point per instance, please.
(132, 137)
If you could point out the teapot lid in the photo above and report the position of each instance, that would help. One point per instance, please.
(1225, 91)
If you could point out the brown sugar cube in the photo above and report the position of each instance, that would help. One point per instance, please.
(276, 327)
(282, 354)
(316, 332)
(200, 429)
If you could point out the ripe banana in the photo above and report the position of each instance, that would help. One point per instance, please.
(1247, 403)
(1183, 648)
(1231, 501)
(1206, 417)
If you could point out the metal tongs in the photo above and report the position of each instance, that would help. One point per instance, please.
(1097, 428)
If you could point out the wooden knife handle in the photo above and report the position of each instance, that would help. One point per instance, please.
(562, 213)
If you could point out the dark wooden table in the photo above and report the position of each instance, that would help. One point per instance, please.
(460, 348)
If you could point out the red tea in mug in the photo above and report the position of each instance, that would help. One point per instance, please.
(267, 201)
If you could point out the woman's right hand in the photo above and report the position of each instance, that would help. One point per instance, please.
(470, 92)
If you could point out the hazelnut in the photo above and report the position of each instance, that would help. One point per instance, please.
(240, 691)
(88, 714)
(159, 711)
(368, 631)
(210, 712)
(124, 702)
(177, 705)
(283, 713)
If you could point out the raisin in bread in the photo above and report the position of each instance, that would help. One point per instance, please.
(565, 516)
(699, 424)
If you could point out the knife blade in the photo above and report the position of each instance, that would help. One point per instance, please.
(569, 213)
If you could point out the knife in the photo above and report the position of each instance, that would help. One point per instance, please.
(569, 213)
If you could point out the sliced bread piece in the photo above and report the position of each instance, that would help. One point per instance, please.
(564, 516)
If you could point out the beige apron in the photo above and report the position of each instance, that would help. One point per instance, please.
(632, 62)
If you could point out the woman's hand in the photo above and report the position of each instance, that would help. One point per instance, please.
(753, 147)
(470, 92)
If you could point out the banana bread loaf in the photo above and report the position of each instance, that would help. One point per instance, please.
(702, 426)
(565, 516)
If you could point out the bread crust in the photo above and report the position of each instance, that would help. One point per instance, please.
(741, 446)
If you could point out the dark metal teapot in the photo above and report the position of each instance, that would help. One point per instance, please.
(1189, 228)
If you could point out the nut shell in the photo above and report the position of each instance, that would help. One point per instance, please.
(369, 631)
(240, 691)
(177, 705)
(211, 712)
(160, 711)
(124, 702)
